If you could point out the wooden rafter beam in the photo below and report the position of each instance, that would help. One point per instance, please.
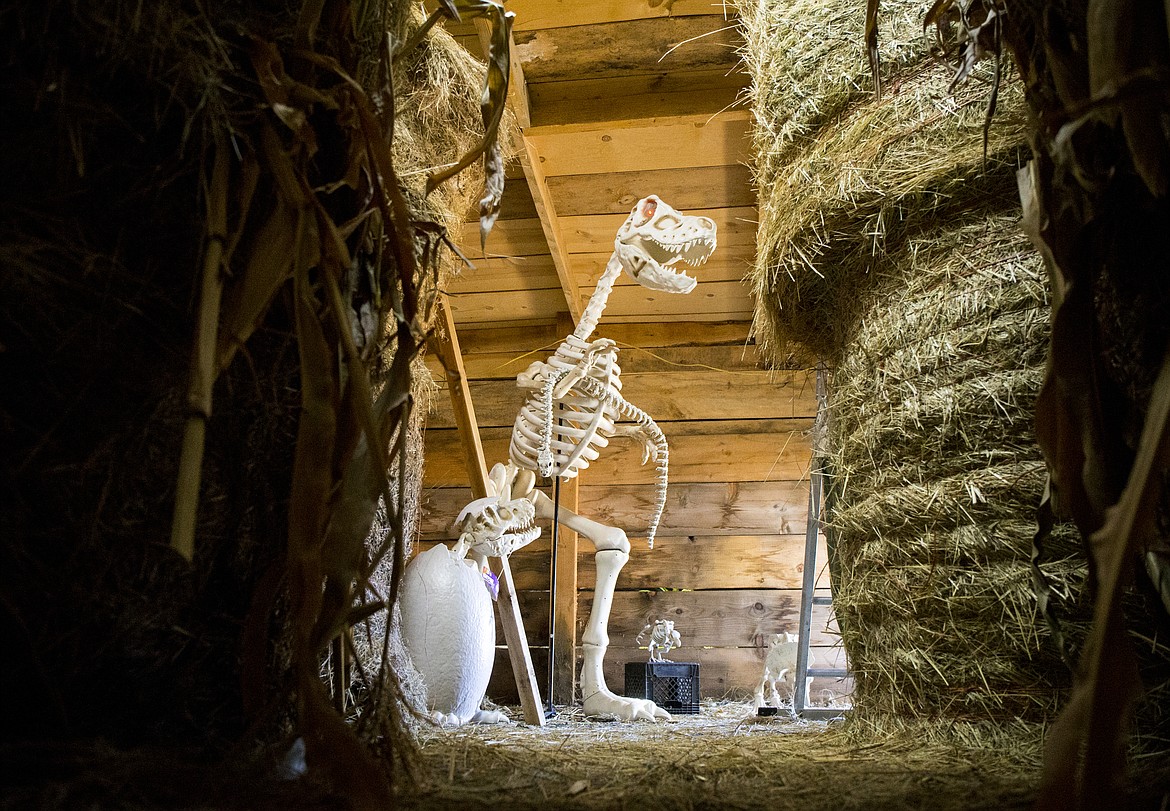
(531, 160)
(446, 347)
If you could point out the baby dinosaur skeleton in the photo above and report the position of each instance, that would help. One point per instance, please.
(575, 396)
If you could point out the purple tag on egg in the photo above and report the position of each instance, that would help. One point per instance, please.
(492, 581)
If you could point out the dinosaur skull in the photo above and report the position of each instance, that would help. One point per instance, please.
(655, 238)
(495, 527)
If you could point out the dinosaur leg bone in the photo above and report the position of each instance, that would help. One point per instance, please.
(613, 550)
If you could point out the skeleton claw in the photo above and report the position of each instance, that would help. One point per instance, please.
(649, 449)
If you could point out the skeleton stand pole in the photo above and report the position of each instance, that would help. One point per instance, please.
(552, 593)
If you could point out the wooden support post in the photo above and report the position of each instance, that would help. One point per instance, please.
(564, 651)
(446, 347)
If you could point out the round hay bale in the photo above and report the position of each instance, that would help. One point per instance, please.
(843, 176)
(934, 477)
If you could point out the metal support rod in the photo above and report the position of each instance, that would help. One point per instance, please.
(808, 596)
(552, 591)
(800, 692)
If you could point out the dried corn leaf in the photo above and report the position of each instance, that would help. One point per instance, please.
(492, 105)
(1124, 47)
(203, 369)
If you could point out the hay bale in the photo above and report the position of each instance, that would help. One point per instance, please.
(889, 245)
(935, 477)
(114, 109)
(844, 177)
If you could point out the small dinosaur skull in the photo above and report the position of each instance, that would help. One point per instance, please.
(655, 237)
(495, 527)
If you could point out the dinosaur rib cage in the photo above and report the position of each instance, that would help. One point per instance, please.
(560, 434)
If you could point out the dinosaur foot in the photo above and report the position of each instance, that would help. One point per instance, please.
(604, 704)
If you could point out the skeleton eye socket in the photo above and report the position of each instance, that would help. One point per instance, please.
(505, 514)
(645, 212)
(667, 222)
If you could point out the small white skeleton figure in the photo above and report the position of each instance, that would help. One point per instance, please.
(663, 638)
(575, 396)
(780, 666)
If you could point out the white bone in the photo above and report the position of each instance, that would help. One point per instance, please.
(574, 397)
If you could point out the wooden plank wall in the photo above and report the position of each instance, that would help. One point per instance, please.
(728, 560)
(628, 99)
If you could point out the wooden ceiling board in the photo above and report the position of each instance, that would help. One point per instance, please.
(638, 146)
(537, 14)
(728, 299)
(503, 338)
(653, 95)
(517, 305)
(727, 264)
(692, 394)
(506, 274)
(631, 358)
(509, 238)
(593, 234)
(736, 227)
(628, 48)
(728, 186)
(740, 454)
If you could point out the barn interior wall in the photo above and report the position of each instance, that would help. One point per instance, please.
(728, 560)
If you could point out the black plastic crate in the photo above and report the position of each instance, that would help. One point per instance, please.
(673, 686)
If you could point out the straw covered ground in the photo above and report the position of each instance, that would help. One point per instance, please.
(724, 757)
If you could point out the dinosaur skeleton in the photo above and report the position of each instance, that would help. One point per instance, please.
(579, 389)
(663, 638)
(575, 396)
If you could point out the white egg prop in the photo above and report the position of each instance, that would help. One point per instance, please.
(449, 630)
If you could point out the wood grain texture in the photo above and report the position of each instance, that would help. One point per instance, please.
(497, 338)
(502, 274)
(491, 308)
(716, 618)
(711, 618)
(693, 562)
(717, 301)
(685, 189)
(685, 562)
(723, 672)
(721, 300)
(537, 14)
(650, 95)
(594, 234)
(734, 456)
(719, 508)
(636, 146)
(705, 42)
(729, 263)
(690, 394)
(633, 359)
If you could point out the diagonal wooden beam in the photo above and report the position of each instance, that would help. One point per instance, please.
(446, 347)
(530, 160)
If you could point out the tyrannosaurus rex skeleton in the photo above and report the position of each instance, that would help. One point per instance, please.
(574, 402)
(575, 396)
